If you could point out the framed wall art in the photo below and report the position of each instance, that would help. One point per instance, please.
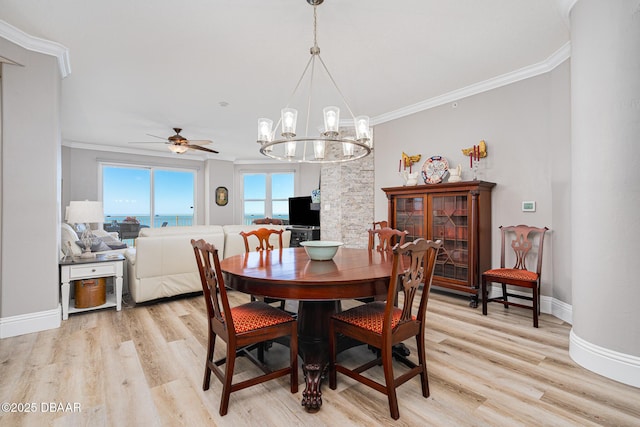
(222, 196)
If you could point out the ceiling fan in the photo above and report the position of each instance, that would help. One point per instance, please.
(179, 144)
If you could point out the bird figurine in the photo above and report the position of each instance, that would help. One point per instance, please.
(410, 160)
(482, 148)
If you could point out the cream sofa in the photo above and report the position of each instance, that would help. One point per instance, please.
(162, 264)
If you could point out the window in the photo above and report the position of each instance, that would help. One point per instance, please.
(266, 195)
(152, 196)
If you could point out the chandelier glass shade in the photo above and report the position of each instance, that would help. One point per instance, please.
(335, 144)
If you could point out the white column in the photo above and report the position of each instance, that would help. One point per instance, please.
(605, 102)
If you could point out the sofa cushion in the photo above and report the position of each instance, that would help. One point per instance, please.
(68, 239)
(172, 254)
(191, 230)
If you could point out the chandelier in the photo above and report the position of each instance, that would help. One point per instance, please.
(333, 145)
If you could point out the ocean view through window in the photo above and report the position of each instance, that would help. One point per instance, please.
(154, 197)
(266, 195)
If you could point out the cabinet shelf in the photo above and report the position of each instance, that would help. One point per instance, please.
(110, 302)
(459, 214)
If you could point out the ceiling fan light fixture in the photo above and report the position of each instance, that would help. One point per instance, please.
(334, 145)
(178, 149)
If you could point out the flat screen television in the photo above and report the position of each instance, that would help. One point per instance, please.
(301, 214)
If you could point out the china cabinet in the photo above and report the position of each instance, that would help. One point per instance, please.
(457, 213)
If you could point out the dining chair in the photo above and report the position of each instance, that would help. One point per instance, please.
(382, 325)
(380, 224)
(267, 220)
(241, 328)
(386, 239)
(263, 236)
(524, 240)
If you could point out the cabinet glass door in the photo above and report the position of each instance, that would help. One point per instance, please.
(450, 224)
(410, 216)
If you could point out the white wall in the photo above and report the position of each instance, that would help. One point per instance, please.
(30, 190)
(526, 126)
(219, 174)
(606, 187)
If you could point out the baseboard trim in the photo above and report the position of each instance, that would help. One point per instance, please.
(617, 366)
(31, 322)
(548, 305)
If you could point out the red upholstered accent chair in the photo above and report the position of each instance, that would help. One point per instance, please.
(240, 327)
(263, 235)
(524, 239)
(382, 325)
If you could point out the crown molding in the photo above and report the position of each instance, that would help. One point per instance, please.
(35, 44)
(141, 151)
(555, 59)
(565, 7)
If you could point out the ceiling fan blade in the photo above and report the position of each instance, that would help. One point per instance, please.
(147, 142)
(159, 137)
(199, 141)
(197, 147)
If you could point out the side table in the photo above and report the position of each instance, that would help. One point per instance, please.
(91, 268)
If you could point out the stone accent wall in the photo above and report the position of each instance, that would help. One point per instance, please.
(347, 204)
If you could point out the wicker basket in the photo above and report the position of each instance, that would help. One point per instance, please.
(90, 292)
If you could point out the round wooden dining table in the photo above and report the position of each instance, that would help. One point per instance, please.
(288, 273)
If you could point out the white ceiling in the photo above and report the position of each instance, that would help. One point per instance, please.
(143, 67)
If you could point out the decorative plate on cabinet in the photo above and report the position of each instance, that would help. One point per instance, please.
(434, 169)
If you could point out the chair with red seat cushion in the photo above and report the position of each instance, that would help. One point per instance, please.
(264, 236)
(241, 328)
(382, 325)
(524, 239)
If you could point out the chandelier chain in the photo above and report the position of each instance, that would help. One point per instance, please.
(332, 146)
(315, 28)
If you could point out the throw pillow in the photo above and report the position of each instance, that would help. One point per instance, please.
(97, 245)
(116, 244)
(112, 242)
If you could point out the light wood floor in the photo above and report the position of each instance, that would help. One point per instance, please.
(143, 366)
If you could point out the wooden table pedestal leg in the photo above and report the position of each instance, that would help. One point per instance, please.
(313, 346)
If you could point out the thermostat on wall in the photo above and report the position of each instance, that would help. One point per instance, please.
(529, 206)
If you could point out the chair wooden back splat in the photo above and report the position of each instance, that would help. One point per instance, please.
(263, 235)
(382, 325)
(380, 224)
(387, 238)
(241, 327)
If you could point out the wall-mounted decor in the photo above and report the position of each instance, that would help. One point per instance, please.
(222, 196)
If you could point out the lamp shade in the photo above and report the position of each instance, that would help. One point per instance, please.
(84, 212)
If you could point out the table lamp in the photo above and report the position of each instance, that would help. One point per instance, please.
(85, 212)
